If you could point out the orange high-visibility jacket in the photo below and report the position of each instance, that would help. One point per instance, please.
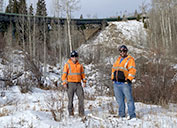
(73, 72)
(127, 66)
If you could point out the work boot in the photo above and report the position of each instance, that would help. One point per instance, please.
(81, 114)
(71, 113)
(131, 118)
(117, 116)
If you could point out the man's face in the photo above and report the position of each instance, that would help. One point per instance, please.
(123, 52)
(74, 59)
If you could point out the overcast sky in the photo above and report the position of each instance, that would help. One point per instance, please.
(108, 8)
(99, 8)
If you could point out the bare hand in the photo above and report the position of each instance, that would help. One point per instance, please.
(84, 85)
(65, 86)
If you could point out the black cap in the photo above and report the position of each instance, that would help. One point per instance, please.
(74, 54)
(123, 47)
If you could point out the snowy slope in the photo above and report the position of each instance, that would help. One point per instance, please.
(31, 110)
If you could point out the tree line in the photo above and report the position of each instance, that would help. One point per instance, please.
(39, 38)
(46, 43)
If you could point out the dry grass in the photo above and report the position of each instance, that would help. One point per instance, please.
(88, 96)
(111, 108)
(4, 112)
(55, 105)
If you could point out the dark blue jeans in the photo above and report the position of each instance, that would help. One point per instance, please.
(121, 92)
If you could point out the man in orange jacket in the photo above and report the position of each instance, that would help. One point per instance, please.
(123, 72)
(73, 73)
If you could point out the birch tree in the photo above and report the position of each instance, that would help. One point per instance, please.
(162, 21)
(30, 13)
(42, 11)
(58, 13)
(69, 6)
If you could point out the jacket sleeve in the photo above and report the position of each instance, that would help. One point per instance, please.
(65, 73)
(83, 74)
(131, 69)
(112, 74)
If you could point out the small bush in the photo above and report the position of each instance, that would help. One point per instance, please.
(156, 86)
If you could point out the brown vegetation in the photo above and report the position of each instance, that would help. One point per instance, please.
(155, 85)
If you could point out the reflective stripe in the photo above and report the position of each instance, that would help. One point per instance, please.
(123, 68)
(115, 68)
(84, 79)
(131, 75)
(82, 72)
(120, 68)
(69, 67)
(131, 67)
(126, 63)
(64, 80)
(74, 74)
(64, 72)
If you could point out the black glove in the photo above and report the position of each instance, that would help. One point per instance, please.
(129, 81)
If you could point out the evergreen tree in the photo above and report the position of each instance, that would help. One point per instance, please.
(138, 17)
(15, 7)
(41, 8)
(9, 8)
(12, 7)
(31, 10)
(22, 7)
(81, 16)
(135, 13)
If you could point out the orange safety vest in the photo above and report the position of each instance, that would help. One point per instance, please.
(127, 66)
(73, 72)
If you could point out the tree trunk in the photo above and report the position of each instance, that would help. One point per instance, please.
(23, 32)
(45, 49)
(68, 14)
(34, 38)
(30, 36)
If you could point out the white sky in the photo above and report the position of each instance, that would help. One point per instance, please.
(100, 8)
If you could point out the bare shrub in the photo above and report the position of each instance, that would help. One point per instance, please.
(20, 70)
(174, 93)
(88, 96)
(56, 106)
(12, 101)
(156, 86)
(162, 26)
(4, 112)
(111, 108)
(2, 42)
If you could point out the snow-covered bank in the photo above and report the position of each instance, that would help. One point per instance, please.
(31, 110)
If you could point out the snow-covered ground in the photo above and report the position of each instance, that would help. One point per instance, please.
(34, 110)
(48, 108)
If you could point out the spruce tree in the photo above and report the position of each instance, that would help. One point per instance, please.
(22, 7)
(12, 7)
(15, 8)
(41, 8)
(31, 10)
(9, 8)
